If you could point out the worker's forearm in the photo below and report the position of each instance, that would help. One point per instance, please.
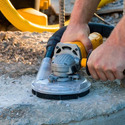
(83, 11)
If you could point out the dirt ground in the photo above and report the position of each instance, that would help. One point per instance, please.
(21, 52)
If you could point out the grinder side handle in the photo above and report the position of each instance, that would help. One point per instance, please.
(96, 40)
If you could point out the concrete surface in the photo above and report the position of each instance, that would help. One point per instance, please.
(20, 57)
(104, 105)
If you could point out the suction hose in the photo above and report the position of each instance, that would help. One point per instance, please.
(103, 29)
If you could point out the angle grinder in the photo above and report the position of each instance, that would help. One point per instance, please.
(59, 78)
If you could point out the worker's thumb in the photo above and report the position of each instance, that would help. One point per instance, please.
(88, 45)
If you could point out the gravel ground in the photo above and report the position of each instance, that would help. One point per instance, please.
(114, 17)
(21, 52)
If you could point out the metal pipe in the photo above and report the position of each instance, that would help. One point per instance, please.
(37, 4)
(61, 13)
(106, 22)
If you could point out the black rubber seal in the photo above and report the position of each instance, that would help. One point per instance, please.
(59, 97)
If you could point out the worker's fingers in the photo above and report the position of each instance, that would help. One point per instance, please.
(100, 72)
(118, 75)
(101, 75)
(92, 71)
(65, 38)
(94, 74)
(110, 75)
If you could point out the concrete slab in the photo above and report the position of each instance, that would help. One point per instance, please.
(105, 104)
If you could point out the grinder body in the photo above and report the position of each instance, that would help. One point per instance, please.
(70, 57)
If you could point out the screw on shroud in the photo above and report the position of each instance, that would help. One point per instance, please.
(61, 13)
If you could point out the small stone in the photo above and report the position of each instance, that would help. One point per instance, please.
(67, 105)
(52, 19)
(2, 36)
(115, 15)
(122, 83)
(8, 117)
(59, 102)
(31, 95)
(14, 82)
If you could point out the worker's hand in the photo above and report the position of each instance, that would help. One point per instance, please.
(78, 33)
(107, 62)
